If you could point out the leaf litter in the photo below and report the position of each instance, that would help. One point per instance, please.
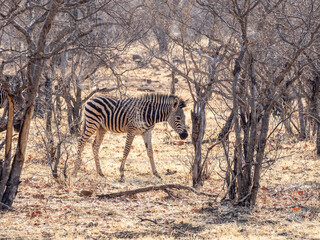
(288, 205)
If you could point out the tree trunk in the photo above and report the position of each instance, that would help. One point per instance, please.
(34, 71)
(317, 117)
(238, 158)
(198, 129)
(77, 111)
(252, 133)
(173, 83)
(318, 140)
(49, 109)
(58, 104)
(161, 38)
(18, 161)
(233, 183)
(67, 97)
(226, 128)
(251, 200)
(5, 168)
(48, 98)
(314, 112)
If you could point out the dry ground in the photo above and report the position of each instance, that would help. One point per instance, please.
(288, 204)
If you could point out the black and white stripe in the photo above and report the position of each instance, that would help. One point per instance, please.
(134, 116)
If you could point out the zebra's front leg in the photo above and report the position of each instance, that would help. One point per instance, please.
(129, 140)
(147, 141)
(95, 148)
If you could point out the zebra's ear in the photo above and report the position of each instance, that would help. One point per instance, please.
(182, 104)
(175, 104)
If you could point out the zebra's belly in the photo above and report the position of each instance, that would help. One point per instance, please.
(125, 129)
(116, 129)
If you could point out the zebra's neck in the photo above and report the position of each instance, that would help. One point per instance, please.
(162, 112)
(152, 112)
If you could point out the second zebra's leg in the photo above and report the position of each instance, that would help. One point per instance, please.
(129, 140)
(95, 148)
(147, 141)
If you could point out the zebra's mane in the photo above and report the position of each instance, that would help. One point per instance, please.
(157, 97)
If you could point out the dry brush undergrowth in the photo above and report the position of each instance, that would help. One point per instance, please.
(288, 203)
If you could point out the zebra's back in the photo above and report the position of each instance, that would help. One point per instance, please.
(109, 113)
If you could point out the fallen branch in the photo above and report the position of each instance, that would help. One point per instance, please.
(154, 188)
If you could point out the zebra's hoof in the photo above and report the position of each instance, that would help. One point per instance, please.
(101, 174)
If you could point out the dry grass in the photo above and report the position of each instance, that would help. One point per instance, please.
(288, 203)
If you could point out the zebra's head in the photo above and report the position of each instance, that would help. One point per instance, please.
(177, 118)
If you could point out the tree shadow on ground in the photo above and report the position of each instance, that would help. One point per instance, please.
(181, 230)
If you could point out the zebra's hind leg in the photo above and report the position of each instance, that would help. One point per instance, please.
(77, 163)
(129, 140)
(88, 131)
(95, 148)
(147, 141)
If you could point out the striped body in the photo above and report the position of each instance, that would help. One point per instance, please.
(119, 116)
(134, 116)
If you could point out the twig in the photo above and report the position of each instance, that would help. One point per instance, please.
(146, 219)
(243, 199)
(154, 188)
(96, 91)
(170, 194)
(211, 147)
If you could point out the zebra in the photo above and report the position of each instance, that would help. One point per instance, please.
(134, 116)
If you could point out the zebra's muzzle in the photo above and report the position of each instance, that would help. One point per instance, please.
(183, 135)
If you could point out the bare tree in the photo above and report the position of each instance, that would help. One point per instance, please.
(50, 28)
(263, 58)
(251, 112)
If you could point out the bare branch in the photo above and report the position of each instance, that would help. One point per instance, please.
(99, 90)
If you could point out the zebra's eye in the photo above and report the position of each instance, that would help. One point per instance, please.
(178, 118)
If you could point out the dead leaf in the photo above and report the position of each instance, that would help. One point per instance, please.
(86, 193)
